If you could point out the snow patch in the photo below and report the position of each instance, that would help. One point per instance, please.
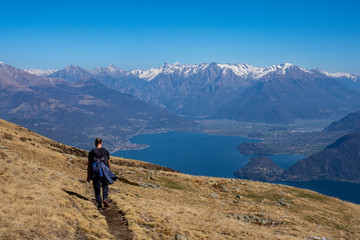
(180, 69)
(40, 72)
(340, 75)
(240, 69)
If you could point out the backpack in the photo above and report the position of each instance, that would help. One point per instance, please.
(96, 168)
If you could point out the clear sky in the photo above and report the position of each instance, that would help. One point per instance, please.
(143, 34)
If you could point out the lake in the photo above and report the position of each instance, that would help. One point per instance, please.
(342, 190)
(217, 156)
(196, 153)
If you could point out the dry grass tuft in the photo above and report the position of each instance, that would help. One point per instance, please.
(8, 136)
(23, 139)
(3, 155)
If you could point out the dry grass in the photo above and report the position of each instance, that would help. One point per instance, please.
(34, 203)
(189, 210)
(37, 176)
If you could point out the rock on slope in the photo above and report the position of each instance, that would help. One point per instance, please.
(44, 196)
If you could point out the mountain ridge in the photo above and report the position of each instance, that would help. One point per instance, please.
(349, 123)
(295, 95)
(215, 90)
(241, 69)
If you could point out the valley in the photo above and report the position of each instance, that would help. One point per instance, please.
(300, 137)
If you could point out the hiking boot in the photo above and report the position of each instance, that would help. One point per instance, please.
(106, 204)
(99, 206)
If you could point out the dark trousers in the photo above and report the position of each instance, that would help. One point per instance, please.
(99, 183)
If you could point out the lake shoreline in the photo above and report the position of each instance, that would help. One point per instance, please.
(204, 154)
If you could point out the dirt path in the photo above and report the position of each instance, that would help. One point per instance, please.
(118, 226)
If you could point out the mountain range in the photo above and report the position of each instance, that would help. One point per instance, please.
(76, 113)
(277, 94)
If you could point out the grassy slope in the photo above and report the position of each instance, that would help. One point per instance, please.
(44, 196)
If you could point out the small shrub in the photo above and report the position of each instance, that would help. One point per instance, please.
(23, 139)
(8, 136)
(3, 155)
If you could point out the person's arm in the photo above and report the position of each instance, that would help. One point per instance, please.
(108, 159)
(88, 169)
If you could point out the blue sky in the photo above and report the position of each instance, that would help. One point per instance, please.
(144, 34)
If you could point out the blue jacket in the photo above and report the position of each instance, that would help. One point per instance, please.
(110, 177)
(98, 161)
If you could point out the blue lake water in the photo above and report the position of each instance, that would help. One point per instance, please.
(342, 190)
(196, 153)
(192, 153)
(217, 156)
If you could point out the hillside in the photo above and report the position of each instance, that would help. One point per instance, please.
(45, 196)
(74, 113)
(260, 168)
(349, 123)
(337, 162)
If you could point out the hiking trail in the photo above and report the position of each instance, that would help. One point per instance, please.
(118, 226)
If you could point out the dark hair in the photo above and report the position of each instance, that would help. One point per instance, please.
(98, 141)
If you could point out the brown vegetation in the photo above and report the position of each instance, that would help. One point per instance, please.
(44, 196)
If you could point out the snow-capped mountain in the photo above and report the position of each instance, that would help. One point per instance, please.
(40, 73)
(176, 68)
(341, 75)
(297, 94)
(278, 93)
(111, 70)
(240, 69)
